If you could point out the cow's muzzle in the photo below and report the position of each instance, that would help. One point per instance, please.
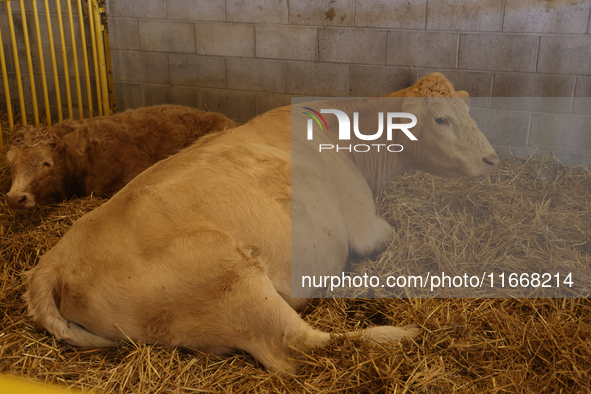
(491, 162)
(20, 201)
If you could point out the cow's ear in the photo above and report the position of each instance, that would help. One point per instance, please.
(16, 128)
(75, 143)
(17, 131)
(413, 105)
(464, 96)
(10, 156)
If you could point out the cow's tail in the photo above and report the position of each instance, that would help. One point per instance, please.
(41, 297)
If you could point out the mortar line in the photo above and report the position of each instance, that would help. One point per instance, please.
(255, 40)
(458, 51)
(256, 103)
(168, 67)
(317, 44)
(538, 53)
(386, 48)
(492, 88)
(426, 15)
(226, 73)
(350, 72)
(503, 15)
(144, 95)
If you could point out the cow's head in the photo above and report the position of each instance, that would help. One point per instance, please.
(33, 168)
(449, 141)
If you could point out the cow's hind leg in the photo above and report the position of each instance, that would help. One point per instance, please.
(258, 320)
(274, 333)
(371, 234)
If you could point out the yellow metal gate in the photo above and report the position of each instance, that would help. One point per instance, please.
(97, 77)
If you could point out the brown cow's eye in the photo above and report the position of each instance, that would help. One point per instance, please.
(46, 165)
(440, 120)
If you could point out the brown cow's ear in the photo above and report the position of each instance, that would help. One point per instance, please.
(465, 96)
(17, 127)
(10, 156)
(75, 143)
(17, 130)
(17, 134)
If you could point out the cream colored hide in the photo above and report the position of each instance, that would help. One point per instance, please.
(196, 251)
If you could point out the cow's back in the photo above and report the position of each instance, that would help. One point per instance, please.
(156, 131)
(110, 151)
(237, 182)
(232, 182)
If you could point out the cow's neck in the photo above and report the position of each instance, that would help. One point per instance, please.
(380, 167)
(73, 173)
(377, 165)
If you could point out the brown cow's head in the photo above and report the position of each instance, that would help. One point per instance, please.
(33, 168)
(449, 141)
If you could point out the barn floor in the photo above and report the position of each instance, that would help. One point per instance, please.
(536, 212)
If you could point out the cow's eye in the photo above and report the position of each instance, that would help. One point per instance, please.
(440, 120)
(45, 165)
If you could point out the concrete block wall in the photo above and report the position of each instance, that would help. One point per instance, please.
(246, 57)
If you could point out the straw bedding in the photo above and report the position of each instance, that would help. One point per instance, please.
(528, 214)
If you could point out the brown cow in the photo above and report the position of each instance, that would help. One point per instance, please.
(99, 155)
(197, 251)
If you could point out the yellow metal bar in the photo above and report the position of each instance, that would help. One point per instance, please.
(17, 66)
(42, 63)
(107, 51)
(53, 62)
(91, 15)
(6, 92)
(85, 56)
(75, 54)
(102, 63)
(29, 62)
(64, 58)
(6, 88)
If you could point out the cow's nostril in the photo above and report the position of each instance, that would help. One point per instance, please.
(492, 160)
(23, 200)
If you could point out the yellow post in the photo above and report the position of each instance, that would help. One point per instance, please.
(65, 59)
(17, 67)
(108, 62)
(42, 63)
(100, 52)
(6, 87)
(91, 15)
(102, 61)
(29, 62)
(75, 55)
(85, 56)
(6, 91)
(56, 82)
